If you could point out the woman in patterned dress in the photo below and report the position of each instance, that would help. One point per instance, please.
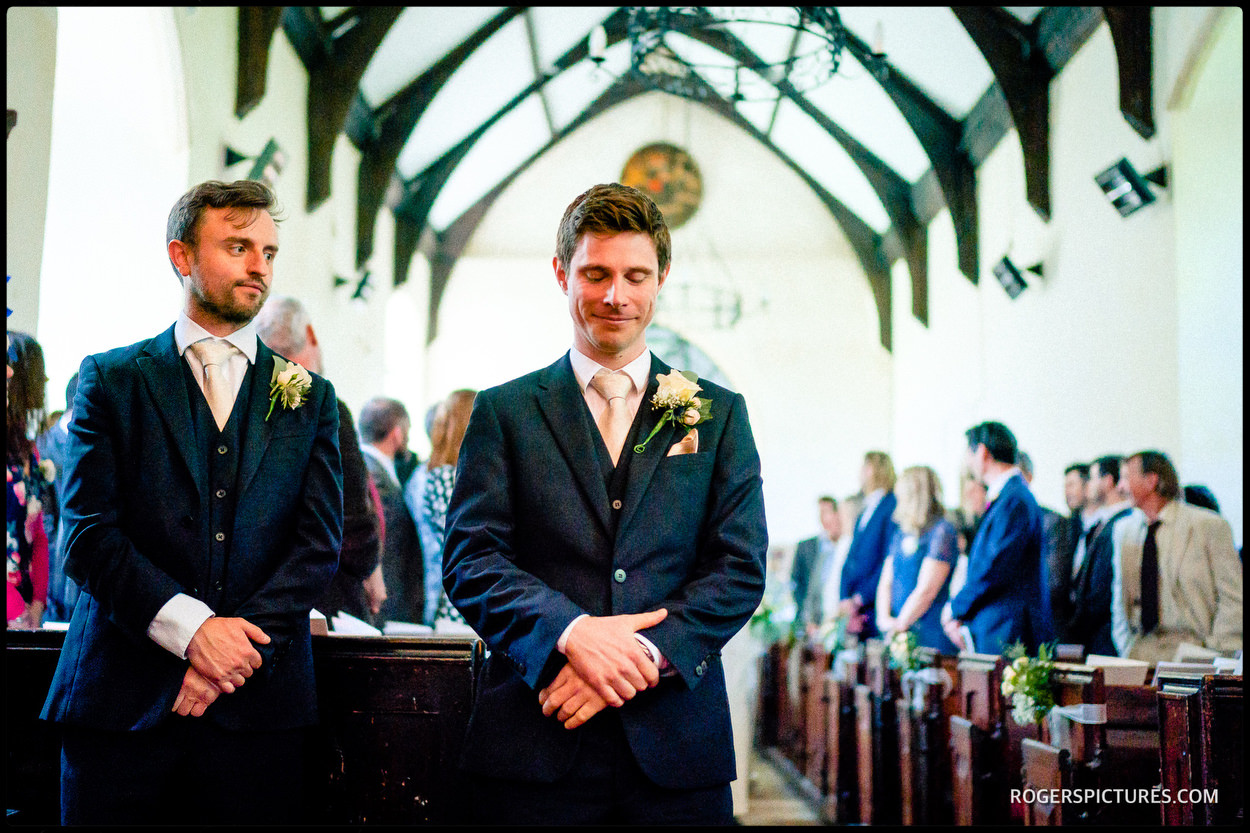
(26, 484)
(431, 492)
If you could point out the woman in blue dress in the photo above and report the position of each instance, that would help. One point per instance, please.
(915, 580)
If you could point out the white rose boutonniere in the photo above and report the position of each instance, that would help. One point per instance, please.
(289, 385)
(676, 397)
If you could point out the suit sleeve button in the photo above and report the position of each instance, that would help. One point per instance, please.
(619, 576)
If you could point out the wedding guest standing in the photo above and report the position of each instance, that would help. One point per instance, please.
(203, 516)
(915, 581)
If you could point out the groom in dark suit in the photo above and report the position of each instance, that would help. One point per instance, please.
(201, 525)
(604, 563)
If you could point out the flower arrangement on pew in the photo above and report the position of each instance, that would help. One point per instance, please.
(1027, 682)
(832, 635)
(903, 654)
(771, 624)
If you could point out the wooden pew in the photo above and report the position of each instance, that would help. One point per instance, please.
(768, 729)
(1131, 756)
(877, 738)
(393, 715)
(978, 743)
(924, 714)
(1202, 736)
(840, 804)
(1066, 761)
(815, 720)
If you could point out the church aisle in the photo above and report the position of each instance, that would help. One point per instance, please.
(772, 800)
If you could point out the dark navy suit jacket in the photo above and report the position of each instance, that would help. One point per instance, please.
(866, 558)
(1004, 598)
(530, 546)
(136, 508)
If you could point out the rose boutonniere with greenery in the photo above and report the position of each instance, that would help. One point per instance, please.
(289, 385)
(676, 397)
(1027, 682)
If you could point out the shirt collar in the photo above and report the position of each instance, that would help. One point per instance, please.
(585, 368)
(187, 332)
(994, 487)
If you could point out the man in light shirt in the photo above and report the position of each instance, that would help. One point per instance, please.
(202, 521)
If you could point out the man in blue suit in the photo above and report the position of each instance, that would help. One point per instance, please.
(202, 519)
(870, 544)
(605, 563)
(1004, 598)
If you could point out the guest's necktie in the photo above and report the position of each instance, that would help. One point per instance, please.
(213, 355)
(1150, 580)
(615, 421)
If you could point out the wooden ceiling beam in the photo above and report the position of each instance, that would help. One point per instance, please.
(382, 133)
(256, 26)
(332, 83)
(1131, 33)
(891, 189)
(1024, 74)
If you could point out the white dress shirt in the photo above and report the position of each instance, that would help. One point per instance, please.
(1131, 527)
(180, 617)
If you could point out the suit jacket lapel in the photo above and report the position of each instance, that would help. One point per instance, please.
(642, 467)
(256, 430)
(162, 371)
(562, 405)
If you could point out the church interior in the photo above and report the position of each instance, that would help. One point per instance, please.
(1025, 214)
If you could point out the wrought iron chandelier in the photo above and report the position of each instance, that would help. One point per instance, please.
(817, 40)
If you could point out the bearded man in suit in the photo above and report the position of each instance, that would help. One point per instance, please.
(606, 555)
(202, 520)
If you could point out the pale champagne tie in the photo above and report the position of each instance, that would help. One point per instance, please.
(615, 421)
(213, 355)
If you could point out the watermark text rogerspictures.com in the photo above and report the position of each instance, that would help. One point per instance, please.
(1115, 795)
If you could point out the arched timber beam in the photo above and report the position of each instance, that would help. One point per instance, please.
(891, 189)
(333, 77)
(382, 133)
(1130, 32)
(256, 27)
(940, 135)
(867, 244)
(1020, 66)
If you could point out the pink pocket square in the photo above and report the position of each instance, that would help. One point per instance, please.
(689, 444)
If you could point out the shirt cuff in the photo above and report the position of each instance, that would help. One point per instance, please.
(649, 647)
(564, 637)
(177, 621)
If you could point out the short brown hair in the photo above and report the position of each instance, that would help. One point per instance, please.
(1157, 463)
(611, 209)
(243, 196)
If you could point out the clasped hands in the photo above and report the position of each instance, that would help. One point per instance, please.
(607, 666)
(222, 658)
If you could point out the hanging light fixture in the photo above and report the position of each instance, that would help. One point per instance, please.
(818, 41)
